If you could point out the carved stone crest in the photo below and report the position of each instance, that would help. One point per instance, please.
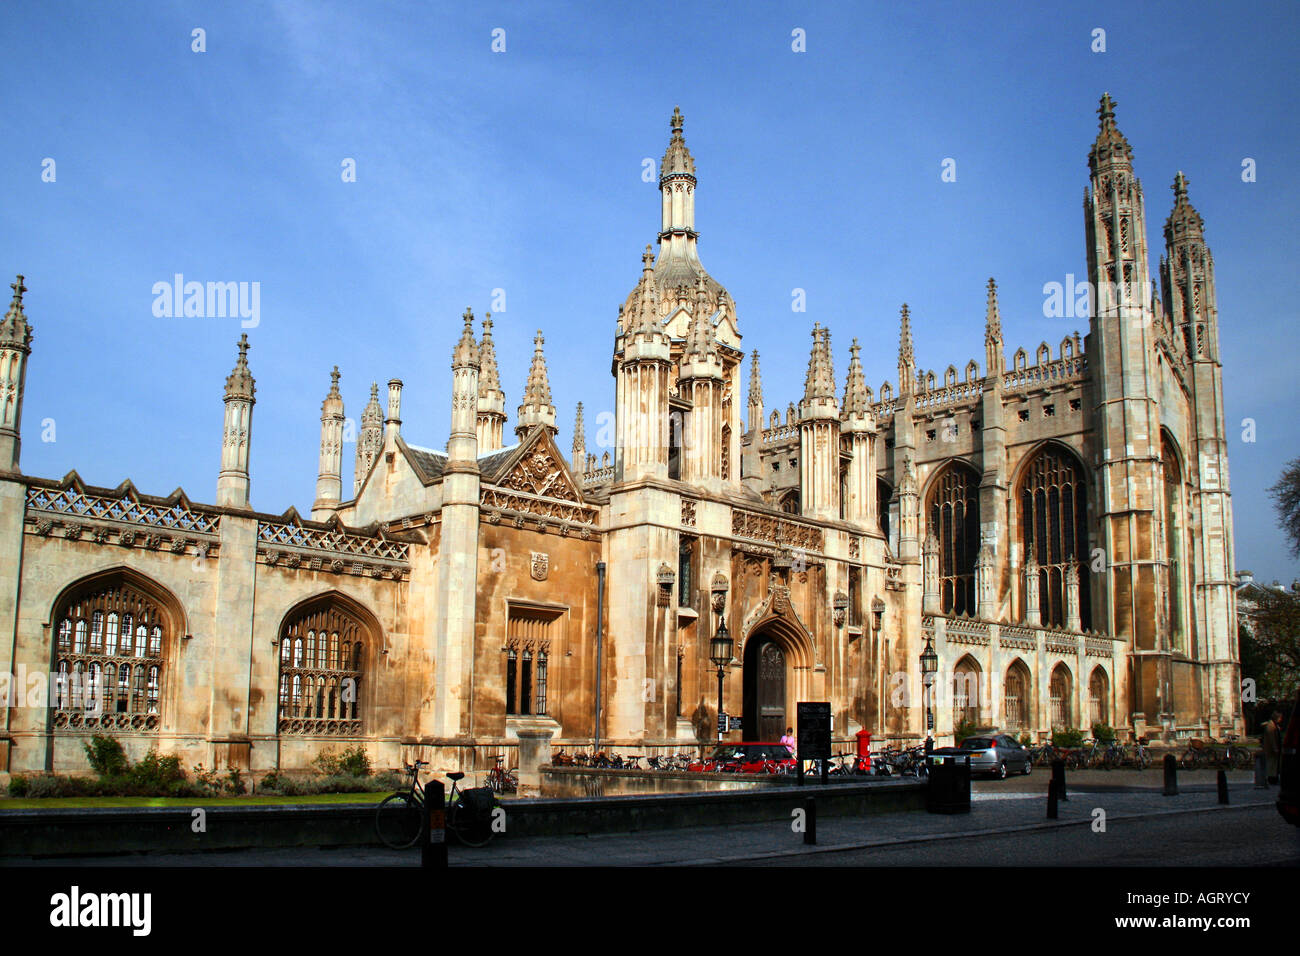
(541, 565)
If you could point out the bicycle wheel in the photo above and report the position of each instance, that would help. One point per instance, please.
(399, 821)
(510, 782)
(468, 827)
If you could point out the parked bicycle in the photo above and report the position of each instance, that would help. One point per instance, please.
(399, 820)
(501, 780)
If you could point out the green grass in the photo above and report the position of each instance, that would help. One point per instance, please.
(52, 803)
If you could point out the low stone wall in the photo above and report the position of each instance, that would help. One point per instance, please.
(108, 830)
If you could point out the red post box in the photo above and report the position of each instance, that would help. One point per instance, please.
(864, 751)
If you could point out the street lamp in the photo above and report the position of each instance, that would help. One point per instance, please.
(720, 654)
(929, 667)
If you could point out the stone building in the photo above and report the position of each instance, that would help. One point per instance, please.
(1055, 524)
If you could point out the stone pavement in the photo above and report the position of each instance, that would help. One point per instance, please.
(1008, 807)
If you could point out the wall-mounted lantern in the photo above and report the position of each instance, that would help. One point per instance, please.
(665, 577)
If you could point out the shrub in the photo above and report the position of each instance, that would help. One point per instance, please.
(205, 781)
(1103, 732)
(18, 785)
(1067, 737)
(353, 762)
(106, 756)
(156, 775)
(965, 728)
(1026, 739)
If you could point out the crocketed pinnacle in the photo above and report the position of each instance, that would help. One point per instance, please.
(372, 414)
(1184, 221)
(333, 403)
(856, 401)
(820, 380)
(906, 357)
(579, 438)
(700, 344)
(489, 378)
(239, 383)
(538, 389)
(755, 381)
(1110, 145)
(677, 158)
(992, 317)
(466, 352)
(14, 330)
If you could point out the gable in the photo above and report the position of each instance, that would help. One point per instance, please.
(538, 468)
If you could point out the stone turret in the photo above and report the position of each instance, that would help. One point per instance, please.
(462, 444)
(15, 346)
(233, 480)
(370, 439)
(536, 408)
(491, 419)
(578, 458)
(858, 427)
(329, 478)
(819, 433)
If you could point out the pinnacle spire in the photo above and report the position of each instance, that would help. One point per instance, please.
(993, 358)
(1110, 143)
(857, 401)
(677, 158)
(755, 381)
(489, 375)
(466, 354)
(239, 383)
(333, 399)
(579, 440)
(14, 330)
(1184, 221)
(700, 342)
(372, 414)
(538, 390)
(820, 381)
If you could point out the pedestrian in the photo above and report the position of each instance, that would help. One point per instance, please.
(1271, 738)
(788, 740)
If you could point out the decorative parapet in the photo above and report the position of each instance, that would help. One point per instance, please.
(1016, 637)
(1098, 647)
(780, 433)
(319, 727)
(123, 517)
(955, 394)
(517, 504)
(962, 630)
(1062, 370)
(1062, 642)
(290, 544)
(599, 477)
(774, 530)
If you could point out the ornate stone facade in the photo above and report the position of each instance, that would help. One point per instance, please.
(1059, 531)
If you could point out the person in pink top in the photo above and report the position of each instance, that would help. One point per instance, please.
(788, 740)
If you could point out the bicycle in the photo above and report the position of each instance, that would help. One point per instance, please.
(399, 820)
(500, 780)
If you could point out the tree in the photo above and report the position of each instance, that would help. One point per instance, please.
(1274, 648)
(1286, 499)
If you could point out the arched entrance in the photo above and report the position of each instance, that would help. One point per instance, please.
(766, 670)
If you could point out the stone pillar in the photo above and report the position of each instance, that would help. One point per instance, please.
(1033, 616)
(232, 482)
(930, 603)
(985, 586)
(534, 753)
(1072, 622)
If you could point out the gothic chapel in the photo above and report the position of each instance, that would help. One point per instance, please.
(1055, 525)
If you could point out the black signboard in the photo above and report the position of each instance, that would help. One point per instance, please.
(814, 730)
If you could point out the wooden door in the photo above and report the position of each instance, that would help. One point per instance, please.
(771, 692)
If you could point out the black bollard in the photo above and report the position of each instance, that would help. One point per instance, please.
(1261, 771)
(1223, 786)
(1058, 778)
(1171, 776)
(810, 821)
(825, 767)
(1052, 809)
(433, 852)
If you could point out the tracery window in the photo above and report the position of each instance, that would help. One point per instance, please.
(685, 570)
(1099, 696)
(1175, 555)
(322, 654)
(530, 636)
(1061, 697)
(966, 692)
(955, 522)
(1015, 698)
(1053, 519)
(109, 658)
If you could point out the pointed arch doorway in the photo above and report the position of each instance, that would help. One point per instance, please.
(766, 669)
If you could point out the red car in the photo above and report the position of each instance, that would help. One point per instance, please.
(747, 757)
(1288, 801)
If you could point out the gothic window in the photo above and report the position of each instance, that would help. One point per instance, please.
(109, 657)
(322, 649)
(790, 503)
(855, 597)
(954, 511)
(530, 635)
(1053, 522)
(1174, 553)
(965, 692)
(1099, 696)
(677, 686)
(725, 464)
(883, 493)
(1060, 695)
(676, 425)
(1015, 698)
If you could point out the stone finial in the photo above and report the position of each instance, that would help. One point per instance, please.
(333, 404)
(489, 375)
(677, 158)
(857, 399)
(239, 383)
(992, 317)
(755, 381)
(1184, 221)
(466, 353)
(373, 414)
(820, 380)
(647, 261)
(14, 330)
(1110, 142)
(538, 389)
(579, 440)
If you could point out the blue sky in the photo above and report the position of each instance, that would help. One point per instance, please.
(522, 171)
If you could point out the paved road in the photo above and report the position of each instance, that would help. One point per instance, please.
(1007, 826)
